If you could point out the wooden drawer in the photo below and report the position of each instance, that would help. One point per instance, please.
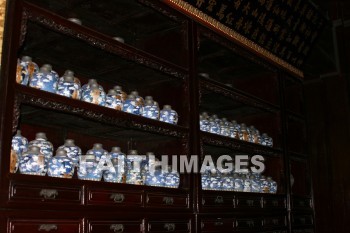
(302, 220)
(217, 225)
(247, 202)
(115, 226)
(166, 201)
(33, 193)
(34, 226)
(275, 222)
(169, 226)
(301, 203)
(274, 203)
(114, 197)
(275, 231)
(218, 201)
(248, 224)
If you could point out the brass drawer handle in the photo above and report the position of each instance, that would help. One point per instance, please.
(250, 202)
(49, 193)
(117, 197)
(117, 227)
(219, 200)
(47, 227)
(169, 226)
(218, 224)
(168, 200)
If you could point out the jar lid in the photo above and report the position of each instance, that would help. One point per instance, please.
(132, 152)
(48, 67)
(34, 149)
(69, 73)
(149, 102)
(150, 153)
(131, 97)
(116, 149)
(134, 93)
(148, 98)
(167, 107)
(117, 88)
(18, 133)
(61, 153)
(44, 69)
(112, 92)
(40, 135)
(26, 59)
(69, 142)
(94, 86)
(97, 146)
(69, 78)
(92, 81)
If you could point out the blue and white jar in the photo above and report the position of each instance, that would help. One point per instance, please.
(45, 79)
(98, 151)
(88, 168)
(133, 163)
(255, 135)
(266, 140)
(168, 115)
(113, 101)
(93, 93)
(33, 162)
(255, 184)
(139, 100)
(224, 129)
(245, 135)
(46, 147)
(265, 185)
(238, 183)
(235, 130)
(172, 178)
(67, 86)
(60, 165)
(19, 145)
(215, 181)
(150, 109)
(247, 183)
(130, 106)
(73, 151)
(26, 68)
(204, 124)
(155, 179)
(272, 185)
(205, 180)
(121, 95)
(214, 127)
(116, 175)
(227, 182)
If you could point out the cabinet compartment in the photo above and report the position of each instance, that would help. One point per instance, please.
(275, 222)
(213, 225)
(44, 225)
(302, 220)
(165, 200)
(248, 224)
(149, 26)
(217, 200)
(248, 202)
(128, 226)
(114, 197)
(301, 203)
(28, 192)
(170, 225)
(274, 202)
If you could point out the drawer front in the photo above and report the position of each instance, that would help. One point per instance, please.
(248, 202)
(301, 203)
(218, 201)
(217, 225)
(33, 193)
(275, 222)
(169, 226)
(164, 200)
(114, 197)
(274, 203)
(248, 224)
(302, 220)
(40, 226)
(115, 226)
(275, 231)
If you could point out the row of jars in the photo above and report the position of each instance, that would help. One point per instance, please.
(238, 182)
(213, 124)
(46, 79)
(36, 158)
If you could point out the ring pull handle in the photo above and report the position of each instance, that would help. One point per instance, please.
(49, 194)
(117, 197)
(250, 202)
(47, 227)
(168, 200)
(117, 228)
(169, 226)
(219, 200)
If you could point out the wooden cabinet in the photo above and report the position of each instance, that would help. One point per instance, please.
(178, 61)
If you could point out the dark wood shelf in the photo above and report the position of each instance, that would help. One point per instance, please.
(238, 145)
(84, 110)
(101, 41)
